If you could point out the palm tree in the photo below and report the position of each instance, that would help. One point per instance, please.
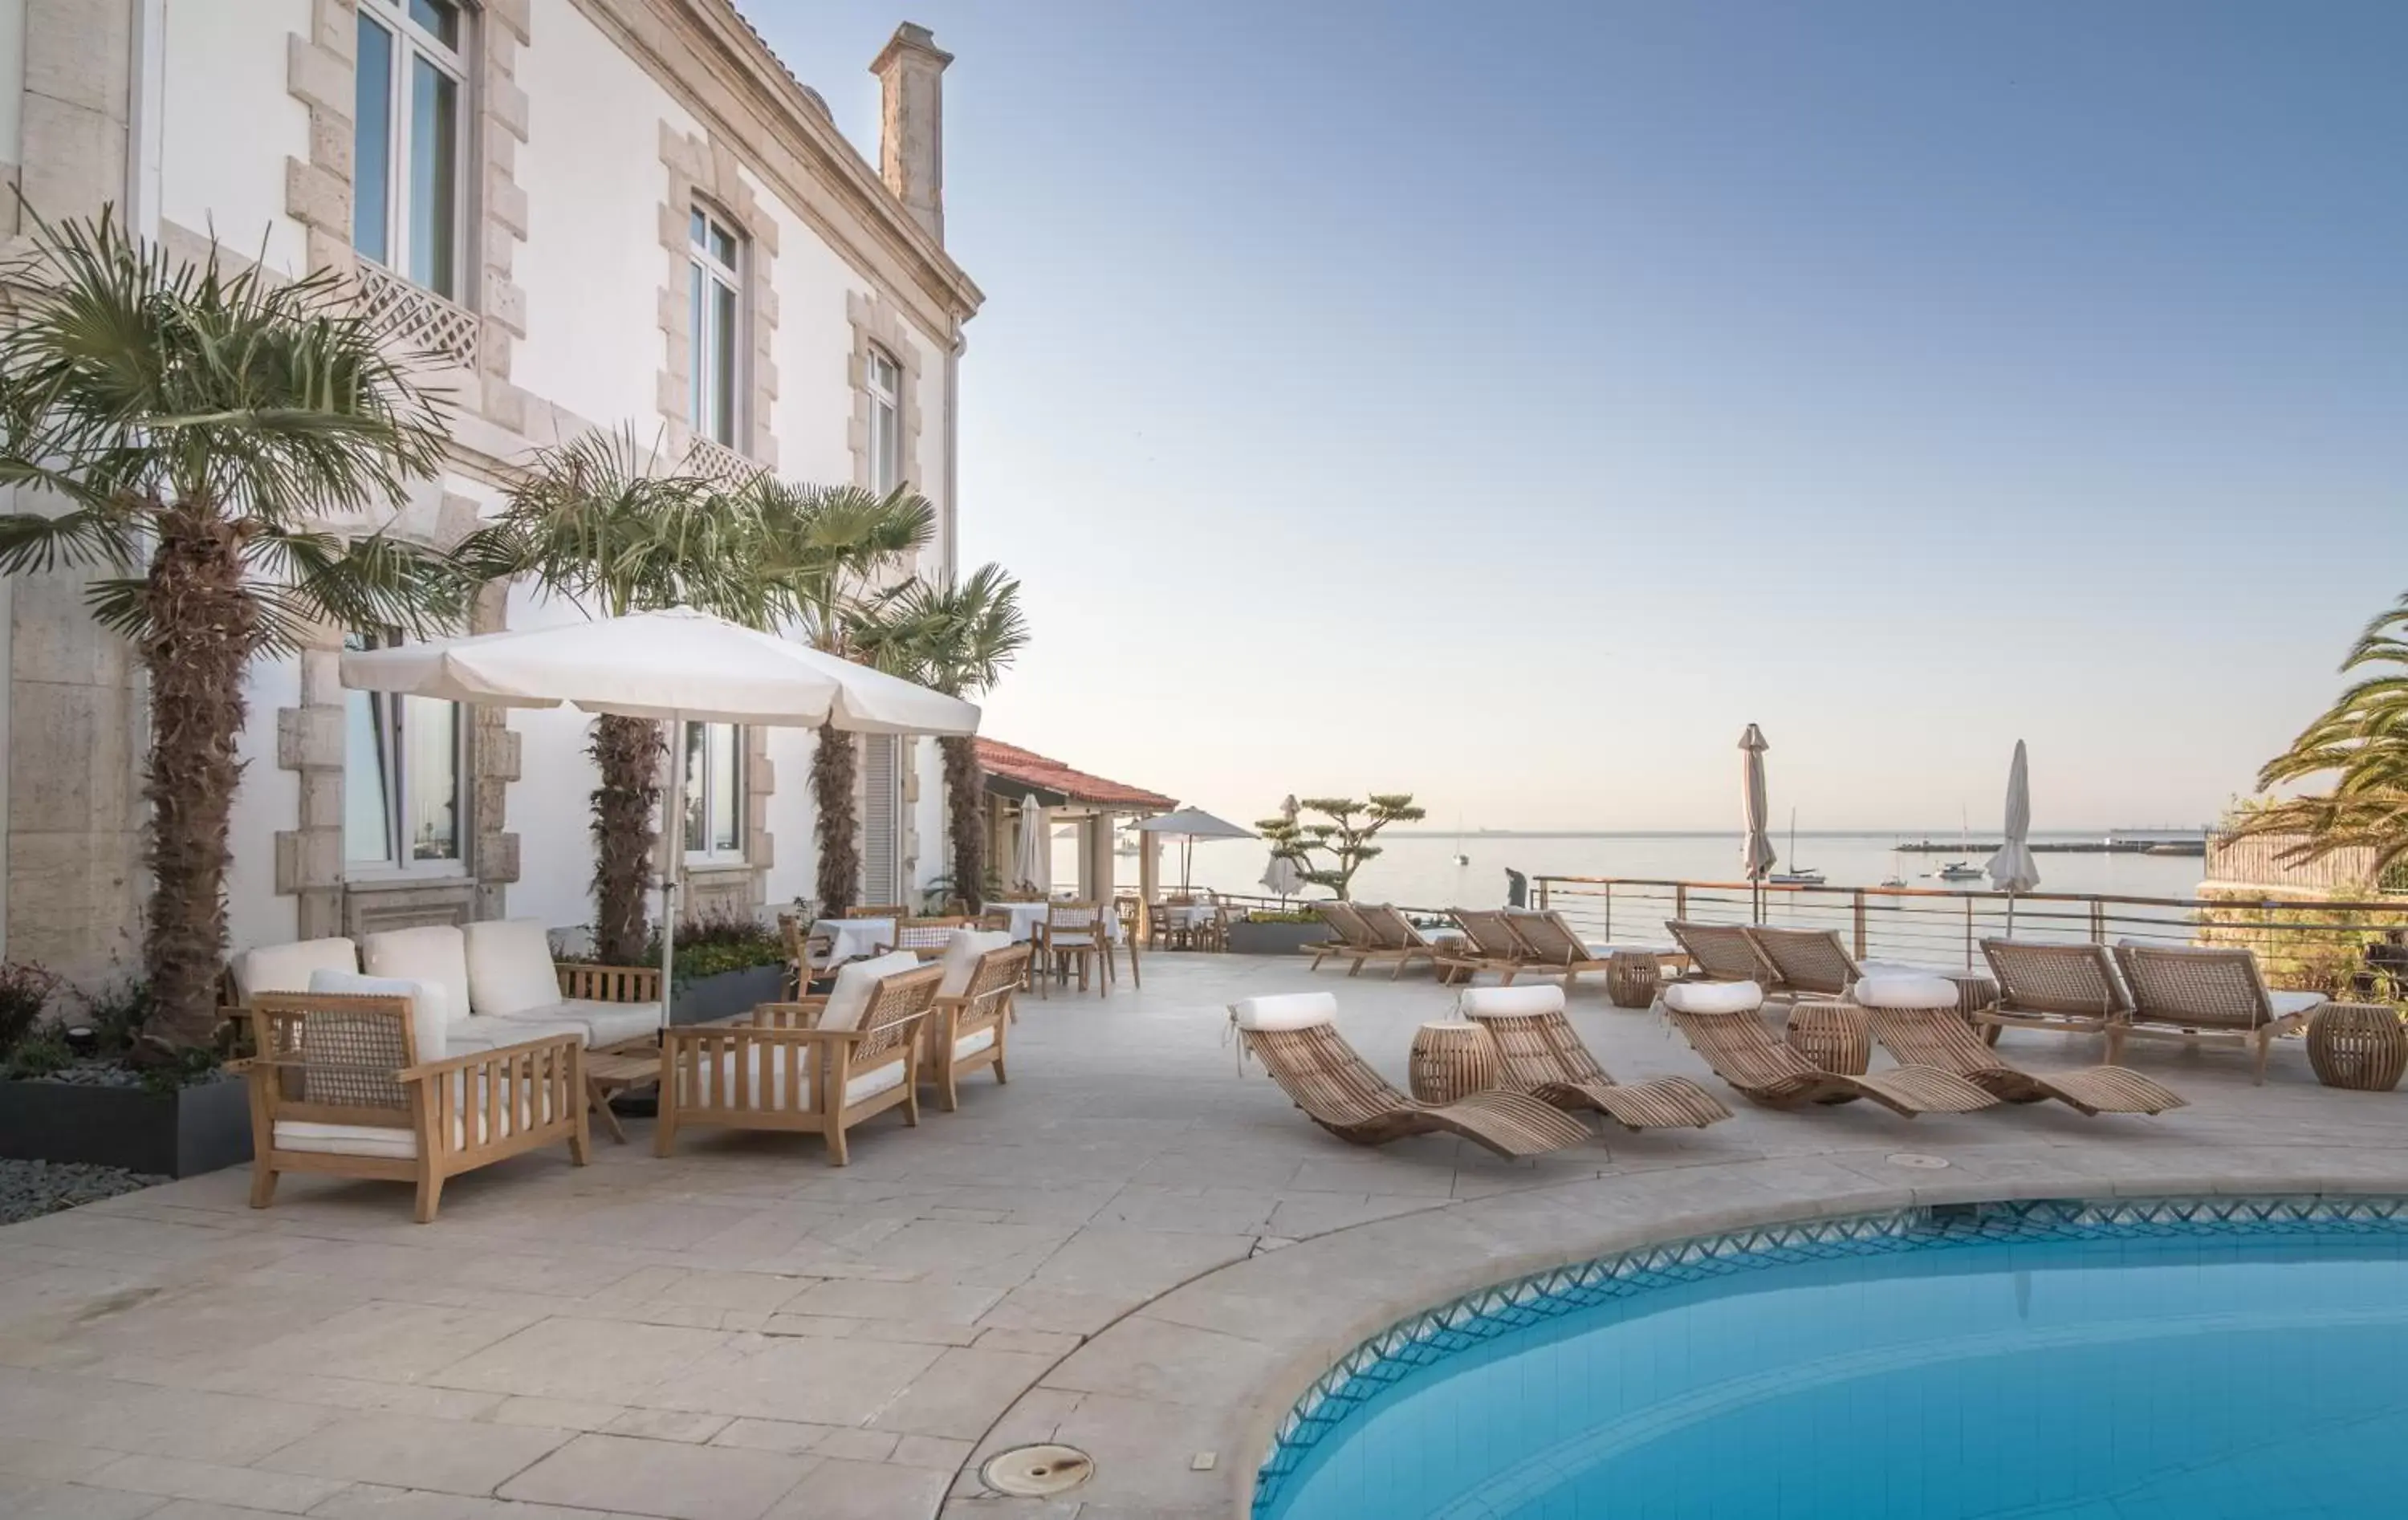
(958, 639)
(2361, 743)
(199, 429)
(825, 561)
(599, 524)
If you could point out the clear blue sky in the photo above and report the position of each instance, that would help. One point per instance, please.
(1509, 403)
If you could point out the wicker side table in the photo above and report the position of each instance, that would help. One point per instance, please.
(1452, 1060)
(1631, 979)
(2360, 1046)
(1837, 1037)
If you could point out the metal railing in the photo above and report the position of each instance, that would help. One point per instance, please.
(2300, 943)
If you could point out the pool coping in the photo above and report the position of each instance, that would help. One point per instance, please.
(1180, 1401)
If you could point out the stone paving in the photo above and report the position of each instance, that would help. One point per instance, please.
(1132, 1247)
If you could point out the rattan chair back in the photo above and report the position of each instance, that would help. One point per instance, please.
(1545, 936)
(926, 935)
(1806, 960)
(1325, 1076)
(1723, 951)
(336, 1058)
(1744, 1052)
(881, 910)
(1540, 1050)
(1391, 929)
(1346, 921)
(2196, 986)
(2077, 981)
(1490, 933)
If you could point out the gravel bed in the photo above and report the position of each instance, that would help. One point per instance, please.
(29, 1189)
(93, 1071)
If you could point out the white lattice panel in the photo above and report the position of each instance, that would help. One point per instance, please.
(416, 319)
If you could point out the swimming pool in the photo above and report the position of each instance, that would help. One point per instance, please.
(2168, 1359)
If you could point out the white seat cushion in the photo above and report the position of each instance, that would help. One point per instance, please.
(399, 1144)
(510, 966)
(465, 1036)
(1284, 1011)
(605, 1023)
(1905, 992)
(429, 1018)
(963, 947)
(2285, 1004)
(1713, 996)
(436, 954)
(768, 1087)
(973, 1043)
(288, 967)
(1893, 969)
(1511, 1003)
(850, 998)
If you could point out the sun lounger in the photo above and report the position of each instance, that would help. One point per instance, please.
(1915, 1020)
(1398, 939)
(1815, 963)
(2071, 989)
(1488, 944)
(1550, 944)
(1719, 1019)
(1350, 935)
(1293, 1035)
(1723, 952)
(1540, 1053)
(2194, 992)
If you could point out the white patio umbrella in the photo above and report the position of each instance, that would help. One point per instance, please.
(675, 666)
(1756, 858)
(1282, 878)
(1187, 825)
(1030, 848)
(2012, 869)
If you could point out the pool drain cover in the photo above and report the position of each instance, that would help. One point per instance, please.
(1917, 1160)
(1036, 1471)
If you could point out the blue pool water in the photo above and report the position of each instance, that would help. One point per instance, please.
(2025, 1368)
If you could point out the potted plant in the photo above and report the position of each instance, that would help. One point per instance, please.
(71, 1091)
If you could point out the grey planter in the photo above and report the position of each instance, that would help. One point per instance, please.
(1250, 939)
(727, 994)
(179, 1134)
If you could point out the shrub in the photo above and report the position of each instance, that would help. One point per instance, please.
(42, 1053)
(25, 991)
(119, 1015)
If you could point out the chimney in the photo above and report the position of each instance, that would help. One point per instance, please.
(910, 71)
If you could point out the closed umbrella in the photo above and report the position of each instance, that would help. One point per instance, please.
(1282, 878)
(1187, 825)
(1756, 858)
(1030, 849)
(2012, 869)
(676, 665)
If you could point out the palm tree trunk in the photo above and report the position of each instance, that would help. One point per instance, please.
(839, 824)
(627, 753)
(965, 818)
(203, 631)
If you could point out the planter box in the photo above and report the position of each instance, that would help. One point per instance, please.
(178, 1134)
(728, 993)
(1250, 939)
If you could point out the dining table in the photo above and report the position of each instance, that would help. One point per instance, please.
(1026, 916)
(851, 938)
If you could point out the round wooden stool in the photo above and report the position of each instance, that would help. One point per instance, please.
(1451, 1060)
(2360, 1046)
(1835, 1036)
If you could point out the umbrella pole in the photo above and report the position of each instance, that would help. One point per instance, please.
(672, 862)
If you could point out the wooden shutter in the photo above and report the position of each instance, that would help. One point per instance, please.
(881, 818)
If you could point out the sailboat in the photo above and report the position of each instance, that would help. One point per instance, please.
(1962, 870)
(1795, 875)
(1897, 877)
(1461, 858)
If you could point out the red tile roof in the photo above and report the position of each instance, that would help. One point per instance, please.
(1035, 770)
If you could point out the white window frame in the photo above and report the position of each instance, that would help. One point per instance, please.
(881, 380)
(701, 784)
(391, 713)
(412, 40)
(706, 270)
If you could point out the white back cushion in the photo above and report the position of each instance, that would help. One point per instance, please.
(854, 984)
(428, 1017)
(1905, 992)
(963, 947)
(288, 967)
(510, 966)
(1713, 996)
(435, 954)
(1284, 1011)
(1511, 1003)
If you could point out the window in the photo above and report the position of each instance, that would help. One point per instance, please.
(406, 140)
(714, 791)
(401, 779)
(885, 382)
(712, 285)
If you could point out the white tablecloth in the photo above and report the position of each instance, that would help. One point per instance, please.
(1184, 915)
(1025, 916)
(850, 939)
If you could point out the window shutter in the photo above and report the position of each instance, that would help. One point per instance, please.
(881, 818)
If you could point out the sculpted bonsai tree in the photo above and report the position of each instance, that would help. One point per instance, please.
(1345, 840)
(201, 434)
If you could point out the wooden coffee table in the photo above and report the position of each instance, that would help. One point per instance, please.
(606, 1074)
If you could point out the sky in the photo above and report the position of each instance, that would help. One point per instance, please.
(1507, 404)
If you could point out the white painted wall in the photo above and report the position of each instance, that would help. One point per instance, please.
(229, 123)
(12, 81)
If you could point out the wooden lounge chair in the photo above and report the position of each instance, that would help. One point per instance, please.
(1350, 935)
(1398, 939)
(1815, 963)
(1540, 1053)
(1720, 1021)
(1550, 944)
(1488, 944)
(1916, 1021)
(2194, 992)
(817, 1067)
(972, 1013)
(338, 1088)
(1293, 1035)
(2071, 989)
(1723, 952)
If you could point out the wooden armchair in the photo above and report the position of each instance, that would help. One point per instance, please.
(338, 1088)
(878, 909)
(965, 1029)
(783, 1072)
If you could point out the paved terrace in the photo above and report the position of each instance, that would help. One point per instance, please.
(1131, 1248)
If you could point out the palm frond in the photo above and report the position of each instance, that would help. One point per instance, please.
(2361, 743)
